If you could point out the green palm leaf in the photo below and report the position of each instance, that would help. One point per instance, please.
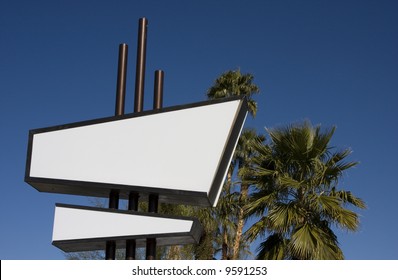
(273, 248)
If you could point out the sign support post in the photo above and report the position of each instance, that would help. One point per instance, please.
(110, 248)
(138, 107)
(153, 200)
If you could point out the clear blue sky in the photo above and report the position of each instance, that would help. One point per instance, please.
(331, 62)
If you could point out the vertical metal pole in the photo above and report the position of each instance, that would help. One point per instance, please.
(110, 249)
(121, 80)
(153, 201)
(158, 90)
(131, 243)
(140, 69)
(151, 242)
(138, 107)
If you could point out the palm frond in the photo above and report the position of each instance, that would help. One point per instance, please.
(304, 242)
(259, 201)
(348, 197)
(273, 248)
(284, 216)
(347, 219)
(330, 205)
(258, 229)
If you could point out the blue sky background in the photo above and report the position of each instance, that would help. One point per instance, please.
(331, 62)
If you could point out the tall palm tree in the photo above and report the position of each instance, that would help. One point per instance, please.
(234, 83)
(243, 154)
(297, 197)
(227, 205)
(230, 217)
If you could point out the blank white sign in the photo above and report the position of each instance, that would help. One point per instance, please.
(72, 223)
(171, 151)
(78, 228)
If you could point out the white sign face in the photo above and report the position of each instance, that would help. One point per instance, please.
(180, 153)
(79, 228)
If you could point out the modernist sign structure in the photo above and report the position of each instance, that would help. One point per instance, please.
(175, 155)
(181, 153)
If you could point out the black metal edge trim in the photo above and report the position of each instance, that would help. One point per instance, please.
(106, 186)
(197, 230)
(134, 115)
(28, 156)
(128, 212)
(228, 151)
(88, 243)
(124, 237)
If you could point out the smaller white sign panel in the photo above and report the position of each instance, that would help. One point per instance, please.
(81, 228)
(181, 153)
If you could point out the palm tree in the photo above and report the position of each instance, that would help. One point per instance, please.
(229, 213)
(243, 154)
(297, 196)
(234, 83)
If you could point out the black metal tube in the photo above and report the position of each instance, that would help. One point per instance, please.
(151, 248)
(130, 249)
(114, 199)
(158, 90)
(131, 243)
(110, 250)
(121, 80)
(153, 201)
(133, 201)
(138, 107)
(140, 69)
(151, 242)
(110, 247)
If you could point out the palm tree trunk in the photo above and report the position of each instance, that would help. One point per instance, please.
(224, 255)
(204, 250)
(240, 223)
(174, 253)
(227, 188)
(228, 183)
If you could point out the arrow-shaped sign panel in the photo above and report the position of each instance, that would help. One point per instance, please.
(80, 228)
(181, 153)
